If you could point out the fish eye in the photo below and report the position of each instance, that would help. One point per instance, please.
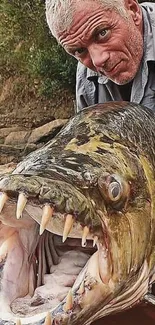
(115, 191)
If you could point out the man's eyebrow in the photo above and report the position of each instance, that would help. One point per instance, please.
(72, 48)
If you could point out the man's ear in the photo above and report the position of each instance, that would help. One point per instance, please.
(135, 11)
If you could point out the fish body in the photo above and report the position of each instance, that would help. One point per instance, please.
(78, 220)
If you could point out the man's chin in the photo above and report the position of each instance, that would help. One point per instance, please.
(120, 81)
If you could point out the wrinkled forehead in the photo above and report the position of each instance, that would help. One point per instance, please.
(60, 16)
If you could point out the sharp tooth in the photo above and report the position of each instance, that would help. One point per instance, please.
(18, 322)
(68, 225)
(48, 319)
(6, 246)
(69, 302)
(3, 199)
(81, 288)
(84, 235)
(95, 241)
(47, 214)
(4, 250)
(22, 200)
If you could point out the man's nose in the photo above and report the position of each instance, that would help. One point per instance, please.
(98, 55)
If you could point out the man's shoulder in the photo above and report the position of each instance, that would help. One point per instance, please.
(81, 70)
(150, 7)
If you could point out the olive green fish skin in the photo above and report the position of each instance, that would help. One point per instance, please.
(127, 124)
(111, 143)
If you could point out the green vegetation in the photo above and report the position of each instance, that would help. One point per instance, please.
(28, 49)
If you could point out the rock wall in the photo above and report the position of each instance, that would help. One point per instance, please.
(16, 142)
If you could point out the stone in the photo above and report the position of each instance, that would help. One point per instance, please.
(17, 138)
(46, 132)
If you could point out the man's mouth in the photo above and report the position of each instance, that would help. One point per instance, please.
(108, 71)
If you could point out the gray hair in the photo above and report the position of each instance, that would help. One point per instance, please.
(59, 13)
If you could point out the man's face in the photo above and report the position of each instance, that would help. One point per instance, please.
(104, 41)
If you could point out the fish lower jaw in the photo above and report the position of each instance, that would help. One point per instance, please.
(52, 276)
(132, 294)
(77, 300)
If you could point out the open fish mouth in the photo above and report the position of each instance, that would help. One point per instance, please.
(77, 221)
(51, 250)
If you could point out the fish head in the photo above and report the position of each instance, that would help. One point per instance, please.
(77, 220)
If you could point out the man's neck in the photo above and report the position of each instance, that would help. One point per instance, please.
(125, 91)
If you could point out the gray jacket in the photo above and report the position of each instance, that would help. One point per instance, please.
(92, 88)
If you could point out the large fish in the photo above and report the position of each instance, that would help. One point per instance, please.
(77, 227)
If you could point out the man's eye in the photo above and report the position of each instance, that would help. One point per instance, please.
(102, 34)
(79, 51)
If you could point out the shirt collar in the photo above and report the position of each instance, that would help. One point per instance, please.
(92, 75)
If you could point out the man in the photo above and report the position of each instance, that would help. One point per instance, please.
(114, 42)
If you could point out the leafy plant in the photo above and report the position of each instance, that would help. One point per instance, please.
(26, 47)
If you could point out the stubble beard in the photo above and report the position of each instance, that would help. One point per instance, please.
(136, 49)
